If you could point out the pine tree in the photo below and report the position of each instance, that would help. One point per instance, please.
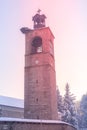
(69, 114)
(59, 102)
(78, 113)
(83, 111)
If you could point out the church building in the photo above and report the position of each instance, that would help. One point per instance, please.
(40, 99)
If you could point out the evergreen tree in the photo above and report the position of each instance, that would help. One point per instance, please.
(69, 114)
(59, 102)
(83, 111)
(78, 113)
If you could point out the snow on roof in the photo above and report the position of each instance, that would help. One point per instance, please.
(6, 119)
(10, 101)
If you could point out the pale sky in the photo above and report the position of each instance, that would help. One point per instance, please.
(68, 22)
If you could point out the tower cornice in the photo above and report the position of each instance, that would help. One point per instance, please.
(26, 30)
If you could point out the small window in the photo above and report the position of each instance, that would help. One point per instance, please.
(37, 99)
(51, 48)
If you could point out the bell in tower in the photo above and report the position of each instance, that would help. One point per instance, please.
(37, 45)
(40, 101)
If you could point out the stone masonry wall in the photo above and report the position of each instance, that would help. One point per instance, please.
(34, 126)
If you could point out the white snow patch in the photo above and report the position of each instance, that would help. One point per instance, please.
(10, 101)
(6, 119)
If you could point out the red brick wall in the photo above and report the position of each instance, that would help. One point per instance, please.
(40, 79)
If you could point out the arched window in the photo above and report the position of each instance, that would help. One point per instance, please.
(36, 45)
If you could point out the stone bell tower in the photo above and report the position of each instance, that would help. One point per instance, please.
(40, 80)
